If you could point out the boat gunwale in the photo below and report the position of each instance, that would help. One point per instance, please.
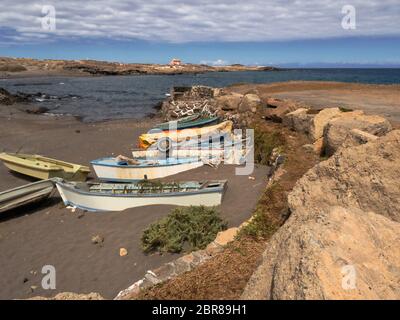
(97, 163)
(33, 184)
(187, 124)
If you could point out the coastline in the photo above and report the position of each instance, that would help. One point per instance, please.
(12, 68)
(64, 238)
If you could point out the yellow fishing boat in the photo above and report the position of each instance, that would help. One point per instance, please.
(147, 139)
(44, 168)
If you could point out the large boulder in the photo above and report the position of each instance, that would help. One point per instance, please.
(321, 119)
(365, 177)
(276, 109)
(337, 129)
(340, 254)
(229, 102)
(250, 102)
(340, 240)
(299, 120)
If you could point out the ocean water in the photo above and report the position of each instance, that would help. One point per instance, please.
(119, 97)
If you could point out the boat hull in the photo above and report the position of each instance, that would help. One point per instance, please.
(101, 202)
(136, 173)
(45, 174)
(26, 194)
(195, 123)
(44, 168)
(147, 139)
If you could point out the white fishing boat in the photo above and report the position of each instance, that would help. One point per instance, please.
(118, 197)
(125, 170)
(25, 194)
(229, 152)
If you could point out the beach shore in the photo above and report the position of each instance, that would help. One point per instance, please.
(50, 234)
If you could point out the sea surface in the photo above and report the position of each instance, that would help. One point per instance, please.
(119, 97)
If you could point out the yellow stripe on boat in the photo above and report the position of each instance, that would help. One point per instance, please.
(43, 168)
(147, 139)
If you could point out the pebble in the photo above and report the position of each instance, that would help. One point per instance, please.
(123, 252)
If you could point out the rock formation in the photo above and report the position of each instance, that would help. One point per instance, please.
(341, 240)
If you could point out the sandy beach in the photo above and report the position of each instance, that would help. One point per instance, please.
(48, 233)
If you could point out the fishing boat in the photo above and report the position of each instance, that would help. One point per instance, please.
(43, 168)
(178, 136)
(230, 151)
(26, 194)
(125, 169)
(118, 197)
(187, 122)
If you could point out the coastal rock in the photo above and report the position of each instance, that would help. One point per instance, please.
(276, 109)
(321, 258)
(7, 98)
(229, 102)
(364, 177)
(337, 129)
(357, 137)
(250, 102)
(298, 120)
(321, 119)
(345, 221)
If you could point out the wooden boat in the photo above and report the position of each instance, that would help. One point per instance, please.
(118, 197)
(44, 168)
(26, 194)
(113, 169)
(178, 136)
(231, 152)
(188, 122)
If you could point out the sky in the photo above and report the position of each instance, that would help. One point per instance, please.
(215, 32)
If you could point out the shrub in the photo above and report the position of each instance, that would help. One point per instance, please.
(189, 228)
(264, 143)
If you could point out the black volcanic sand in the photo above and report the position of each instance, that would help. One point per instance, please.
(49, 234)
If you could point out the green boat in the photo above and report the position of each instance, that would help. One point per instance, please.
(194, 121)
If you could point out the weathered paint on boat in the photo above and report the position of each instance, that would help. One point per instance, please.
(114, 197)
(43, 168)
(147, 139)
(185, 123)
(108, 169)
(26, 194)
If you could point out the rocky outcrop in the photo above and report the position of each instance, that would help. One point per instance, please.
(93, 67)
(340, 241)
(241, 109)
(341, 254)
(337, 129)
(6, 98)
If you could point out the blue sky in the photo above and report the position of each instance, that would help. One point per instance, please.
(280, 32)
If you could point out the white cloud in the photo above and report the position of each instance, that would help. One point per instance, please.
(218, 62)
(201, 20)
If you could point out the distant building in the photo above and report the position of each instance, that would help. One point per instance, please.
(175, 62)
